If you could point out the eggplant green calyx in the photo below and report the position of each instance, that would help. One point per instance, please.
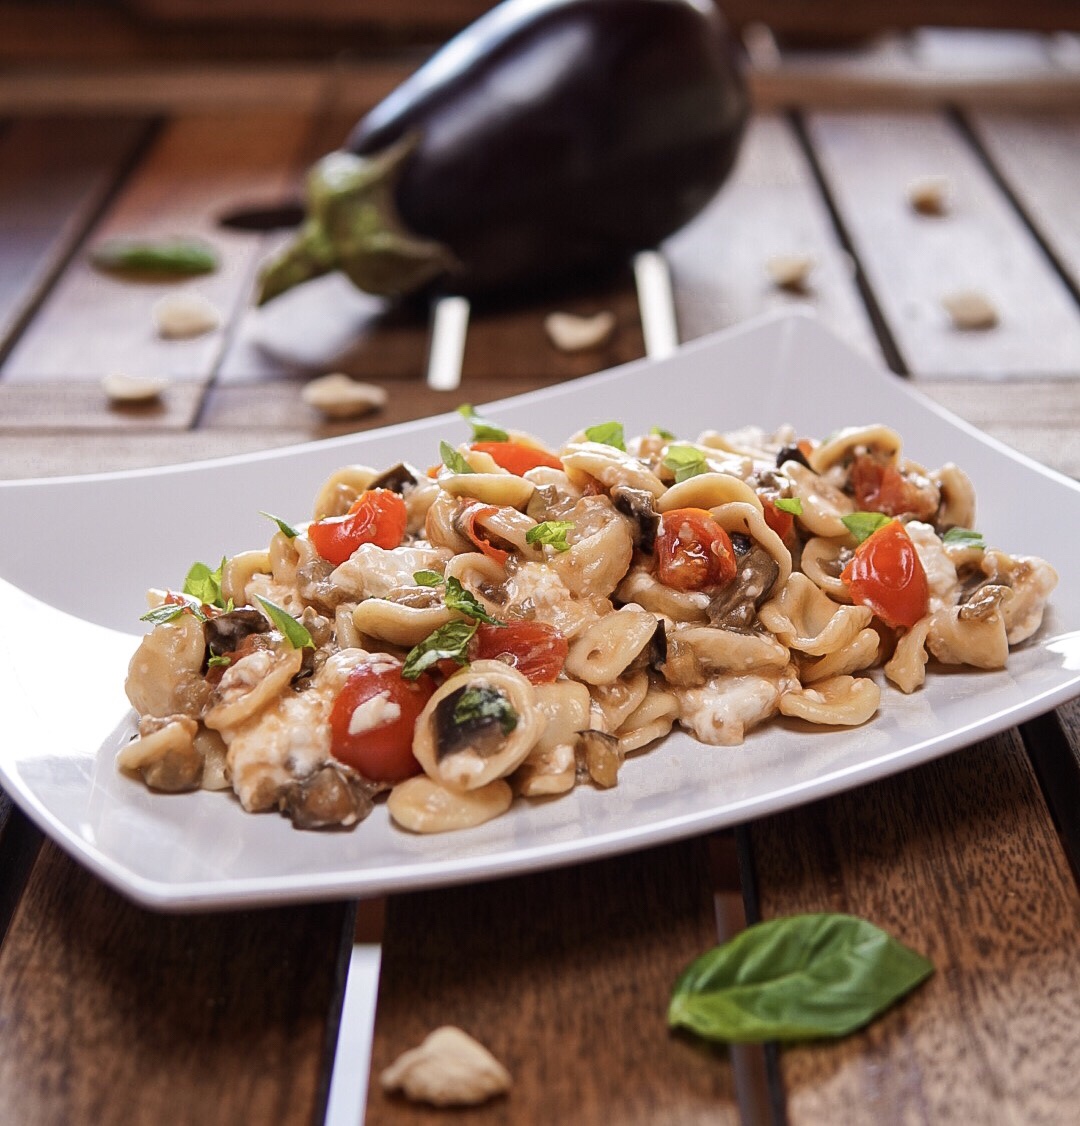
(353, 226)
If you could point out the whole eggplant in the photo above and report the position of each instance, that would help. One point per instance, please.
(550, 139)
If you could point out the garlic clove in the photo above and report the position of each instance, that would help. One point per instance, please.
(122, 388)
(338, 396)
(449, 1068)
(181, 316)
(970, 310)
(571, 333)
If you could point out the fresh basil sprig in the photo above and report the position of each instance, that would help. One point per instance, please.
(607, 434)
(170, 611)
(218, 660)
(427, 578)
(453, 459)
(286, 530)
(477, 705)
(205, 585)
(789, 504)
(660, 432)
(685, 462)
(448, 642)
(551, 532)
(177, 256)
(456, 597)
(293, 632)
(862, 525)
(963, 537)
(795, 978)
(483, 430)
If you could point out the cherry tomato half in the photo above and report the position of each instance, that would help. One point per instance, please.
(372, 720)
(475, 534)
(378, 516)
(535, 649)
(692, 551)
(887, 575)
(780, 521)
(880, 488)
(517, 457)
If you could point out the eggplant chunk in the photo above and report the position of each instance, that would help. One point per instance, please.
(550, 139)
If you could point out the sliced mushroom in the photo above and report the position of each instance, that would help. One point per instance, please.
(599, 758)
(165, 755)
(398, 478)
(638, 505)
(478, 726)
(333, 797)
(225, 632)
(735, 605)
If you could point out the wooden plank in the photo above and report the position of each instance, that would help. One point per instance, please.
(770, 207)
(111, 1014)
(1039, 157)
(54, 175)
(958, 858)
(201, 166)
(75, 406)
(565, 976)
(913, 261)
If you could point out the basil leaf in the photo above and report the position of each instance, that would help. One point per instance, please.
(685, 462)
(660, 432)
(179, 257)
(551, 532)
(478, 705)
(427, 578)
(607, 434)
(217, 660)
(293, 632)
(483, 431)
(795, 978)
(204, 584)
(453, 460)
(789, 504)
(170, 611)
(963, 537)
(862, 525)
(448, 642)
(285, 529)
(465, 602)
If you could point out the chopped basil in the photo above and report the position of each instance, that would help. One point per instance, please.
(170, 611)
(551, 532)
(795, 978)
(685, 462)
(789, 504)
(285, 529)
(179, 257)
(219, 660)
(293, 632)
(448, 642)
(205, 585)
(862, 525)
(607, 434)
(453, 459)
(483, 431)
(465, 602)
(476, 705)
(963, 537)
(427, 578)
(660, 432)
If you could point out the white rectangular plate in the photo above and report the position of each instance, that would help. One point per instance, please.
(79, 553)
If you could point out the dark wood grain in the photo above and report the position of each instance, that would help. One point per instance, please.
(565, 976)
(110, 1014)
(960, 860)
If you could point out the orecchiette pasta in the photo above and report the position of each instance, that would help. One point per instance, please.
(520, 619)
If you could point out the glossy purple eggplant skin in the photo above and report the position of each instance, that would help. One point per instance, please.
(556, 137)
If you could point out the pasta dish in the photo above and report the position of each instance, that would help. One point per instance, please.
(518, 620)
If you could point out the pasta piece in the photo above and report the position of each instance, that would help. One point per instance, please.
(250, 684)
(609, 466)
(804, 618)
(652, 719)
(708, 490)
(549, 768)
(421, 805)
(397, 624)
(842, 701)
(882, 441)
(858, 654)
(1031, 580)
(165, 673)
(642, 587)
(730, 650)
(620, 698)
(959, 636)
(341, 489)
(239, 571)
(597, 560)
(374, 572)
(747, 520)
(822, 504)
(822, 562)
(957, 506)
(604, 650)
(907, 666)
(728, 705)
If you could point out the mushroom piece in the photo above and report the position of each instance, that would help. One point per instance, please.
(599, 758)
(735, 605)
(478, 726)
(225, 632)
(165, 754)
(638, 505)
(398, 478)
(332, 797)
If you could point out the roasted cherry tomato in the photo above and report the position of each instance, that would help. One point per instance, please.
(780, 521)
(692, 551)
(471, 514)
(372, 720)
(378, 516)
(535, 649)
(887, 575)
(517, 457)
(879, 488)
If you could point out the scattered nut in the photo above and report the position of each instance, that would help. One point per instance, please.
(338, 396)
(180, 316)
(930, 195)
(970, 310)
(571, 333)
(121, 388)
(790, 271)
(449, 1068)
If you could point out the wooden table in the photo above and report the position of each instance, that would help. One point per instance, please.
(109, 1013)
